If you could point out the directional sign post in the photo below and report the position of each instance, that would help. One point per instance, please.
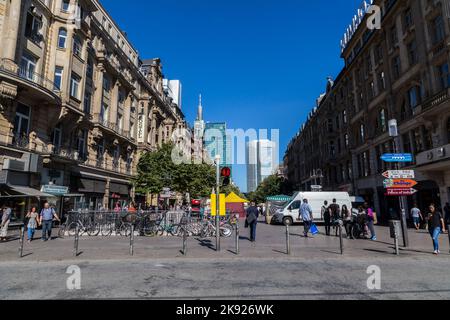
(397, 157)
(399, 192)
(399, 183)
(399, 174)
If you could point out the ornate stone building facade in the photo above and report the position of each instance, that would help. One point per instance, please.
(398, 72)
(77, 105)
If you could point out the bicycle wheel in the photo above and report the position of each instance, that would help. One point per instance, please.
(62, 231)
(226, 230)
(106, 229)
(93, 230)
(174, 230)
(125, 230)
(72, 229)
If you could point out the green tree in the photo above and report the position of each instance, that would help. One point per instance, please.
(271, 186)
(156, 170)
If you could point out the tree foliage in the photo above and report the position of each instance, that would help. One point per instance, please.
(156, 171)
(271, 186)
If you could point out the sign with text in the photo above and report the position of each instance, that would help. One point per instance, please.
(399, 183)
(55, 190)
(397, 157)
(400, 174)
(398, 192)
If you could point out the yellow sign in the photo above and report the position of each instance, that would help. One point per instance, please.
(222, 205)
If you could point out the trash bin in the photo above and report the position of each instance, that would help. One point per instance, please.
(396, 228)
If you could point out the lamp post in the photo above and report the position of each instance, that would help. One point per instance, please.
(393, 132)
(217, 161)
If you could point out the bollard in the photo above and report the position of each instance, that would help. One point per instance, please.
(237, 237)
(341, 240)
(448, 231)
(288, 240)
(397, 250)
(132, 240)
(184, 242)
(75, 246)
(21, 241)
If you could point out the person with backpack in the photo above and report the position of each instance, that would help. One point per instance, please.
(326, 215)
(335, 211)
(46, 217)
(252, 220)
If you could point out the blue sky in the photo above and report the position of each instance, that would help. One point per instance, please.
(258, 64)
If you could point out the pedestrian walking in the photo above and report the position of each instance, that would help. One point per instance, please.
(33, 223)
(417, 216)
(371, 221)
(6, 219)
(335, 211)
(252, 220)
(306, 214)
(436, 226)
(326, 215)
(46, 217)
(346, 215)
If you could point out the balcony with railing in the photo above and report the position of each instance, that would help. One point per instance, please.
(39, 84)
(434, 101)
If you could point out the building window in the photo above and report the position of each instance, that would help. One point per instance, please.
(393, 36)
(62, 38)
(58, 77)
(104, 113)
(101, 150)
(75, 86)
(22, 121)
(57, 137)
(414, 97)
(87, 103)
(90, 69)
(65, 6)
(120, 122)
(444, 76)
(438, 29)
(77, 46)
(396, 67)
(362, 133)
(347, 141)
(381, 81)
(28, 66)
(407, 19)
(412, 53)
(418, 141)
(344, 117)
(32, 26)
(106, 84)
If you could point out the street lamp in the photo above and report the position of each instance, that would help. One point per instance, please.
(394, 134)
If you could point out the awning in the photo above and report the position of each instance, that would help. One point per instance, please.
(24, 192)
(234, 198)
(279, 198)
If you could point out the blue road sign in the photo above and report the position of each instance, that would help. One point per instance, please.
(401, 157)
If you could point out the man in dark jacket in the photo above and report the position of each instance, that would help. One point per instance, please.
(252, 220)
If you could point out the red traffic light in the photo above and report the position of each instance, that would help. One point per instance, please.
(225, 172)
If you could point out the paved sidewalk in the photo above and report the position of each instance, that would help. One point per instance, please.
(271, 243)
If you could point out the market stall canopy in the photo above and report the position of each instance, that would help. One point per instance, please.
(234, 198)
(279, 198)
(23, 192)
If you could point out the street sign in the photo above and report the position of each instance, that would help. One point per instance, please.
(222, 205)
(397, 192)
(399, 183)
(400, 174)
(394, 157)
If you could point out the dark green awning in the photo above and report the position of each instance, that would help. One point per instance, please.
(279, 198)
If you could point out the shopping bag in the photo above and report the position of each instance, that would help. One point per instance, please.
(314, 230)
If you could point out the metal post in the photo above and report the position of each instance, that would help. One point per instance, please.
(75, 245)
(288, 240)
(237, 237)
(341, 240)
(21, 241)
(402, 201)
(217, 204)
(132, 240)
(397, 250)
(184, 242)
(448, 231)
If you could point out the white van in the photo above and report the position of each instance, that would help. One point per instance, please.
(291, 211)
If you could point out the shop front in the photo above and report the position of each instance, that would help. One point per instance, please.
(92, 192)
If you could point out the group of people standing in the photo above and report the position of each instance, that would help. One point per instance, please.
(35, 219)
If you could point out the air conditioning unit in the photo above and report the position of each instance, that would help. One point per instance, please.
(14, 165)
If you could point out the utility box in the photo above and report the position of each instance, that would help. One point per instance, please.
(396, 229)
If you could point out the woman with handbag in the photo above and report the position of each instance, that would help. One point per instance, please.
(252, 220)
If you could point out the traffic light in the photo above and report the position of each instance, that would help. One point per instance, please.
(225, 173)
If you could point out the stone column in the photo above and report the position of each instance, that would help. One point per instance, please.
(114, 103)
(11, 32)
(127, 114)
(98, 94)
